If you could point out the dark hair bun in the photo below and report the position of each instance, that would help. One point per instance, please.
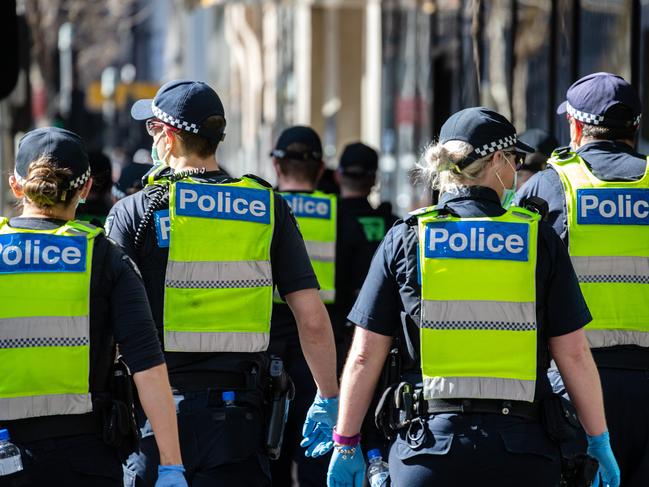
(45, 184)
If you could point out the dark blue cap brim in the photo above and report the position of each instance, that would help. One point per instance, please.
(563, 108)
(141, 109)
(523, 147)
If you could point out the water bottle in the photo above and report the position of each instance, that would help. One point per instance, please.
(228, 399)
(378, 472)
(10, 461)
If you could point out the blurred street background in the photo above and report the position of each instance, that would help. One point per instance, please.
(385, 72)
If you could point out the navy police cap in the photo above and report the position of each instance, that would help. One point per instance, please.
(486, 130)
(358, 160)
(183, 104)
(596, 99)
(63, 148)
(302, 135)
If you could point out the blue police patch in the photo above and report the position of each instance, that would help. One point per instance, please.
(223, 202)
(613, 206)
(162, 226)
(305, 206)
(477, 240)
(29, 252)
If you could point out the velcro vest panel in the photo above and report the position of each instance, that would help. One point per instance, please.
(316, 215)
(44, 320)
(219, 282)
(478, 333)
(608, 225)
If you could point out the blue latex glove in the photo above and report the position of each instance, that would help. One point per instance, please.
(319, 425)
(171, 476)
(346, 472)
(599, 447)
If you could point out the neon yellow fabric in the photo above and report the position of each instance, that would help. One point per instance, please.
(617, 300)
(479, 337)
(44, 328)
(222, 302)
(320, 238)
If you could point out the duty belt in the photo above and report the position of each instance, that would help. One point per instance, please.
(223, 380)
(521, 409)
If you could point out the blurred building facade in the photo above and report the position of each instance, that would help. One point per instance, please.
(387, 72)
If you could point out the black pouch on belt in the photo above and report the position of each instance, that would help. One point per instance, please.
(560, 419)
(282, 392)
(118, 414)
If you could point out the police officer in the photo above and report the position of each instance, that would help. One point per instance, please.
(481, 299)
(297, 159)
(543, 144)
(69, 295)
(210, 249)
(598, 195)
(360, 226)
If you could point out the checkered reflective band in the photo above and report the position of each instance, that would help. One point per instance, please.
(44, 342)
(585, 117)
(81, 180)
(173, 121)
(479, 325)
(499, 144)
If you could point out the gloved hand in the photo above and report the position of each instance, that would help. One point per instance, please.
(171, 476)
(599, 447)
(319, 425)
(346, 470)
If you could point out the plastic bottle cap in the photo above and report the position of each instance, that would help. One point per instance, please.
(227, 396)
(4, 435)
(374, 453)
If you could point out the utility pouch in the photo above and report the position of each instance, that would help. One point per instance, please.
(395, 409)
(578, 471)
(282, 392)
(119, 427)
(560, 419)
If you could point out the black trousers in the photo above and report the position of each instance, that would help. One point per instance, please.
(452, 450)
(626, 402)
(71, 461)
(219, 445)
(311, 472)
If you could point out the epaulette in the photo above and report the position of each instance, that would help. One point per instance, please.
(562, 153)
(261, 181)
(536, 205)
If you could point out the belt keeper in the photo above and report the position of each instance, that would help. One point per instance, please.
(346, 440)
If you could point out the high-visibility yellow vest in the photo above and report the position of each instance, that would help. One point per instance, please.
(478, 313)
(316, 215)
(608, 228)
(219, 282)
(44, 320)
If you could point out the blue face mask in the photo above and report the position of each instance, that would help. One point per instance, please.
(508, 193)
(154, 155)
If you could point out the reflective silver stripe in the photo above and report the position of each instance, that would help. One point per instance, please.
(327, 296)
(479, 388)
(45, 328)
(479, 315)
(610, 338)
(47, 405)
(219, 275)
(612, 269)
(178, 341)
(322, 251)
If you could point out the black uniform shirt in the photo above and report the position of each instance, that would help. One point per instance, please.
(119, 310)
(290, 263)
(360, 230)
(389, 301)
(608, 161)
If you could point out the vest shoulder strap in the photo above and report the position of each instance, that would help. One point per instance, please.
(258, 180)
(82, 226)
